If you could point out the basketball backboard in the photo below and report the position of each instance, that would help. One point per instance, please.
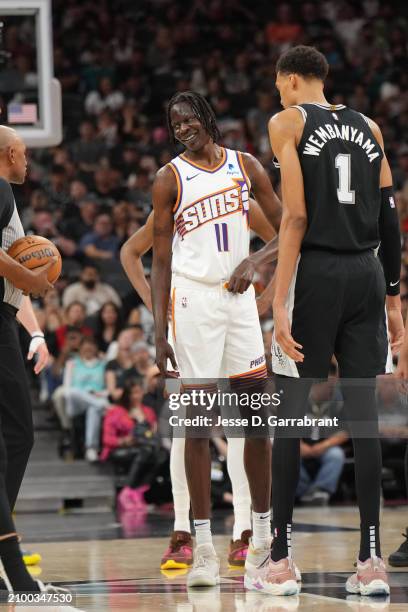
(30, 96)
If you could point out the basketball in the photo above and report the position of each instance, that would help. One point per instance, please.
(35, 251)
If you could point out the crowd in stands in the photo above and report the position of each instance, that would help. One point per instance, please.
(118, 63)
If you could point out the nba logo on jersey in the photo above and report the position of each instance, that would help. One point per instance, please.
(184, 302)
(392, 202)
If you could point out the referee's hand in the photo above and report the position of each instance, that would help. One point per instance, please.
(283, 335)
(38, 347)
(37, 283)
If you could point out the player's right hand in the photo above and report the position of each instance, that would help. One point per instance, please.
(36, 281)
(163, 353)
(283, 335)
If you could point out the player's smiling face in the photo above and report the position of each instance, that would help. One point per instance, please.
(286, 85)
(187, 127)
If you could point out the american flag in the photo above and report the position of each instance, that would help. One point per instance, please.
(22, 113)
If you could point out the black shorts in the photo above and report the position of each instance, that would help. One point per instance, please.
(336, 304)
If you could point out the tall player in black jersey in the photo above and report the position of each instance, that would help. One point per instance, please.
(330, 290)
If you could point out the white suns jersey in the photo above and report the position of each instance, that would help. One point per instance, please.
(211, 225)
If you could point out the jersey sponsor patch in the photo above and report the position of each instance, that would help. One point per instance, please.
(232, 169)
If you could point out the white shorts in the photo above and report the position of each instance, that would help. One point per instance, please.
(215, 333)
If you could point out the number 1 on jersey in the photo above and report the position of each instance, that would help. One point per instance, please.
(221, 234)
(343, 164)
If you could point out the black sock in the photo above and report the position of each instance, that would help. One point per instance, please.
(14, 566)
(282, 543)
(361, 412)
(370, 542)
(286, 462)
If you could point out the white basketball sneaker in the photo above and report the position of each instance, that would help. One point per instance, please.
(206, 567)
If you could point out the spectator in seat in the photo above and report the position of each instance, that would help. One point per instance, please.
(101, 243)
(286, 28)
(55, 373)
(57, 188)
(108, 325)
(77, 191)
(88, 149)
(75, 315)
(322, 456)
(85, 392)
(76, 226)
(141, 357)
(104, 98)
(90, 292)
(130, 442)
(140, 190)
(121, 369)
(154, 395)
(126, 338)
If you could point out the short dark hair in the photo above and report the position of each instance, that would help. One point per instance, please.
(201, 109)
(130, 383)
(88, 340)
(308, 62)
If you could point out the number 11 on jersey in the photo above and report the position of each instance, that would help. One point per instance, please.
(221, 234)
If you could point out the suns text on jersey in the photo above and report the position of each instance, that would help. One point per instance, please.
(214, 206)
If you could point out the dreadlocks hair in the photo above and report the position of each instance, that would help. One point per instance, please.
(201, 109)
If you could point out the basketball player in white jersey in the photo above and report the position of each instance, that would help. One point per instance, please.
(204, 194)
(179, 553)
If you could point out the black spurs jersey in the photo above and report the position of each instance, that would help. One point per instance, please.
(341, 161)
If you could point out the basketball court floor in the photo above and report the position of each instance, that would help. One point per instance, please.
(115, 566)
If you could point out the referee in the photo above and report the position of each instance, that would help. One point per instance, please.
(16, 426)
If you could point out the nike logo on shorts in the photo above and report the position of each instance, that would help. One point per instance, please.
(393, 284)
(189, 178)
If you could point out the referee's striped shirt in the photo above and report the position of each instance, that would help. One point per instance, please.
(11, 230)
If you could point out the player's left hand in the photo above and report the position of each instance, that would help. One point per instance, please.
(395, 329)
(38, 347)
(242, 276)
(283, 334)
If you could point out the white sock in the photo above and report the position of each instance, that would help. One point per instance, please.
(261, 529)
(240, 487)
(202, 529)
(181, 497)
